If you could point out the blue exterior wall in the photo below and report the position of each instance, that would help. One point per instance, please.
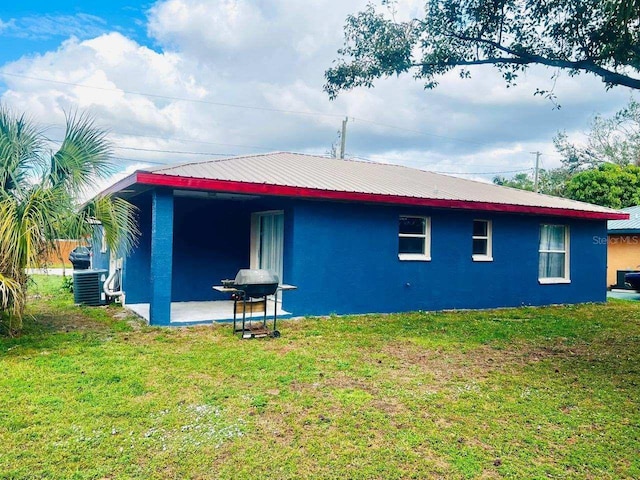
(211, 241)
(346, 261)
(161, 274)
(137, 265)
(343, 257)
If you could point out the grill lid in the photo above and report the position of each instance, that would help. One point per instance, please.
(247, 276)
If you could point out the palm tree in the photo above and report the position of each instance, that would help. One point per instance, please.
(40, 194)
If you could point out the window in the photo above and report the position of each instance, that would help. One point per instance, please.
(482, 241)
(553, 265)
(414, 238)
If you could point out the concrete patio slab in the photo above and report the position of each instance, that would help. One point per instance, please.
(204, 312)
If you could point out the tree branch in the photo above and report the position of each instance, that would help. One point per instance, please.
(492, 43)
(525, 58)
(484, 61)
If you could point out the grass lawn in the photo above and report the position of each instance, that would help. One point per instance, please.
(515, 393)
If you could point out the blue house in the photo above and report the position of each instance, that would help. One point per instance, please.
(354, 237)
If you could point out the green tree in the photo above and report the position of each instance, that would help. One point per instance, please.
(39, 200)
(550, 182)
(608, 185)
(521, 181)
(601, 37)
(554, 181)
(613, 140)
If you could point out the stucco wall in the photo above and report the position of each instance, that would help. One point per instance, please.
(344, 257)
(623, 253)
(211, 242)
(137, 265)
(346, 262)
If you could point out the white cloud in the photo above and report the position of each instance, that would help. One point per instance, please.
(113, 65)
(215, 26)
(272, 54)
(102, 184)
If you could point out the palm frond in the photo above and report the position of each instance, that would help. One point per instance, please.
(20, 151)
(118, 219)
(27, 226)
(12, 299)
(83, 157)
(33, 215)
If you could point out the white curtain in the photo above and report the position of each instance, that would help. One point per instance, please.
(552, 251)
(271, 243)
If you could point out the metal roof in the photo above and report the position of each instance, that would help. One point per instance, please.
(632, 224)
(294, 174)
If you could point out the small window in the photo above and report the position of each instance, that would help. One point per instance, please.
(553, 264)
(414, 238)
(482, 241)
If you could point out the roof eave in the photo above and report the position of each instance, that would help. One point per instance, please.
(174, 181)
(120, 185)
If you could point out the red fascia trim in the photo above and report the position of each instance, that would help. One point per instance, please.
(314, 193)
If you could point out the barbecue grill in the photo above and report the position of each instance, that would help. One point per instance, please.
(251, 288)
(256, 283)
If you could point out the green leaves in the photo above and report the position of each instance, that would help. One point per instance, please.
(39, 198)
(595, 36)
(20, 148)
(82, 157)
(609, 185)
(614, 140)
(116, 216)
(378, 46)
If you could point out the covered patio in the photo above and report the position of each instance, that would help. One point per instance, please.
(192, 240)
(192, 313)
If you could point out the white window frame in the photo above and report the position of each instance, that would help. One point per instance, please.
(488, 257)
(426, 236)
(567, 273)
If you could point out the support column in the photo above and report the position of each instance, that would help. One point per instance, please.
(161, 257)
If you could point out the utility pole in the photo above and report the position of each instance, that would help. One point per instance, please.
(535, 177)
(343, 137)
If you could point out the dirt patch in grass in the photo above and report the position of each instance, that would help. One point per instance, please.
(479, 362)
(345, 381)
(390, 406)
(53, 322)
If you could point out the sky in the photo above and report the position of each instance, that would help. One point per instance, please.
(182, 80)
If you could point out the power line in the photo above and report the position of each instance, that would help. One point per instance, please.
(175, 151)
(182, 99)
(186, 140)
(250, 107)
(139, 160)
(485, 173)
(142, 160)
(181, 152)
(420, 132)
(449, 172)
